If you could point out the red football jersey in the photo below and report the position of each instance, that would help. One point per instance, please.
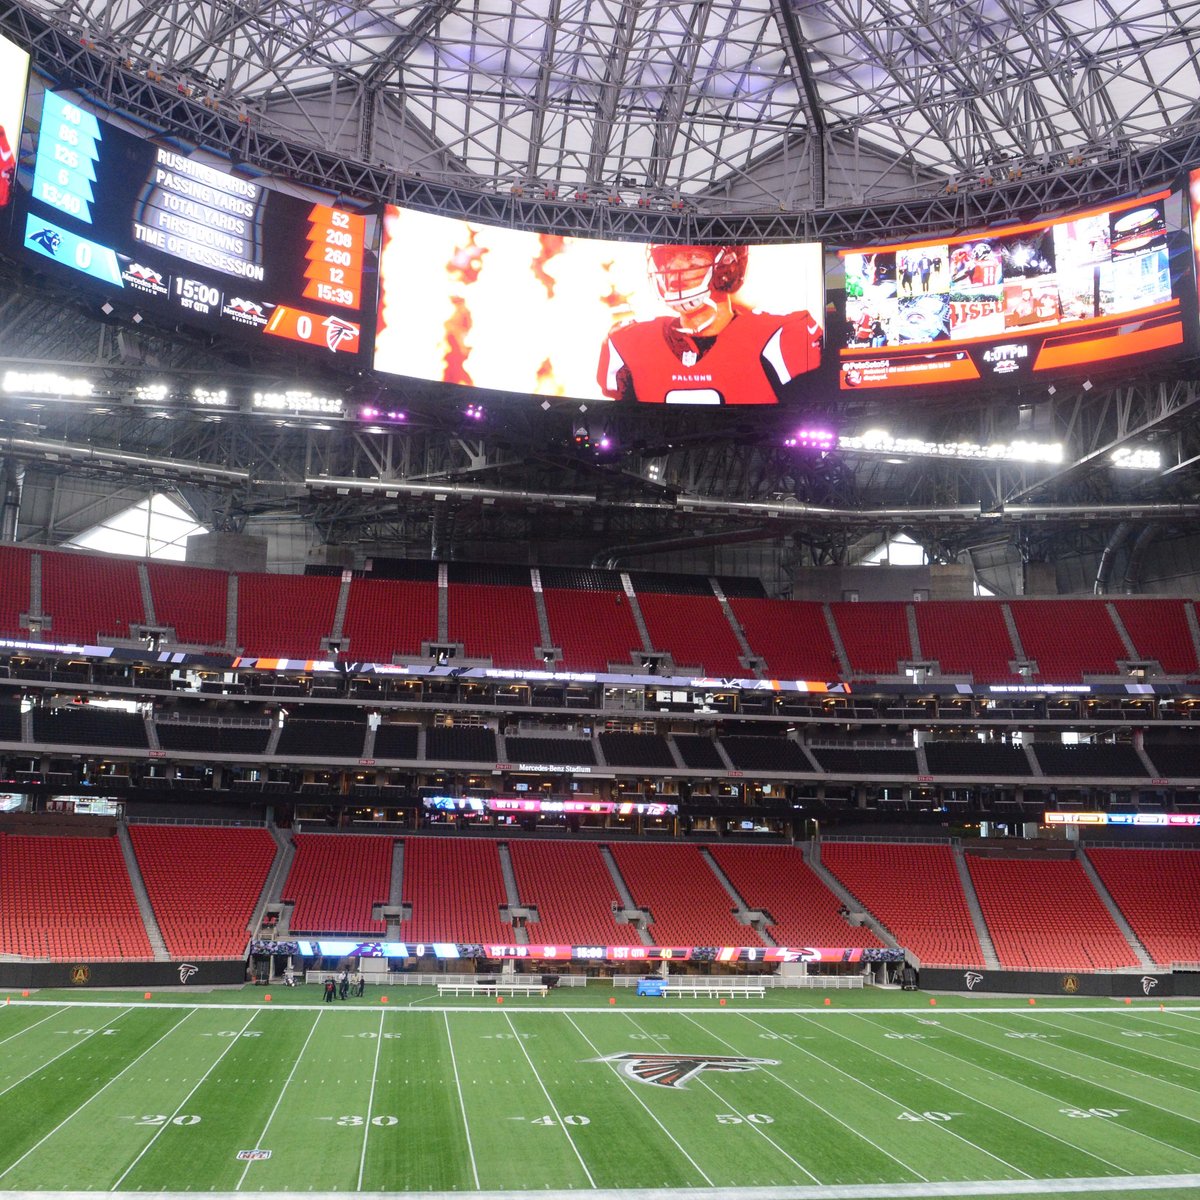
(748, 362)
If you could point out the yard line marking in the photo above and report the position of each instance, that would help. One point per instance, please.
(461, 1103)
(646, 1108)
(976, 1100)
(96, 1093)
(1049, 1096)
(278, 1101)
(195, 1088)
(362, 1158)
(553, 1108)
(857, 1132)
(47, 1017)
(959, 1136)
(74, 1046)
(1107, 1087)
(1141, 1051)
(1109, 1063)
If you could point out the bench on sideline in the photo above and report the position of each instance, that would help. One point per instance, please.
(492, 989)
(713, 988)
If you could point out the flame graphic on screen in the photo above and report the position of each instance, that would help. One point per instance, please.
(458, 326)
(619, 303)
(547, 384)
(549, 246)
(467, 261)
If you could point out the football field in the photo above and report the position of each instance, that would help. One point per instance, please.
(871, 1096)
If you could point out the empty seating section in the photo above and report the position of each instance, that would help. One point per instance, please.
(335, 880)
(387, 617)
(85, 596)
(592, 628)
(572, 751)
(874, 636)
(848, 761)
(776, 879)
(752, 753)
(688, 905)
(495, 622)
(700, 753)
(1044, 915)
(456, 889)
(791, 635)
(694, 631)
(1068, 638)
(190, 600)
(10, 722)
(1158, 893)
(460, 744)
(1159, 630)
(203, 884)
(976, 758)
(915, 893)
(213, 739)
(396, 741)
(966, 637)
(285, 616)
(636, 750)
(87, 726)
(321, 739)
(68, 898)
(571, 888)
(1119, 761)
(1175, 761)
(14, 590)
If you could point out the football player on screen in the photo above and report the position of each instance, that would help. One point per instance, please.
(8, 167)
(711, 349)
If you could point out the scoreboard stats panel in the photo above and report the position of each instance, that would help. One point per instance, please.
(1053, 296)
(189, 240)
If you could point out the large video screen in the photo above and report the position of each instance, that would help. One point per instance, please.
(1021, 301)
(185, 239)
(14, 77)
(549, 315)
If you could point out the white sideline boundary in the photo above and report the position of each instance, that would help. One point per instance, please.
(845, 1191)
(1136, 1008)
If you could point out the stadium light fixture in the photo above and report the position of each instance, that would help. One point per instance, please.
(1136, 458)
(879, 441)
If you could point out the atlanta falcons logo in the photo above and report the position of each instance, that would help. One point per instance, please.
(338, 331)
(674, 1070)
(186, 971)
(971, 978)
(1148, 982)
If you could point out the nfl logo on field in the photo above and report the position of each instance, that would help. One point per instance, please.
(253, 1155)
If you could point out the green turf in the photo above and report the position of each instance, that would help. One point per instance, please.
(117, 1092)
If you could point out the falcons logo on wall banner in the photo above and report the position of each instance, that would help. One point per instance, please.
(674, 1070)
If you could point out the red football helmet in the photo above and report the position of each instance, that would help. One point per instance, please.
(693, 277)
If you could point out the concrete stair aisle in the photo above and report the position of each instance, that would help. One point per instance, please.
(627, 902)
(512, 895)
(981, 930)
(1135, 943)
(272, 889)
(141, 895)
(838, 645)
(754, 919)
(857, 910)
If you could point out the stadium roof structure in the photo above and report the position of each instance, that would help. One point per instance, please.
(704, 120)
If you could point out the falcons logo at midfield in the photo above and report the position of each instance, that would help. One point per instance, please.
(674, 1070)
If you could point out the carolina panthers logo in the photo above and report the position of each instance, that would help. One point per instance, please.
(48, 239)
(186, 971)
(1148, 984)
(674, 1070)
(338, 331)
(972, 979)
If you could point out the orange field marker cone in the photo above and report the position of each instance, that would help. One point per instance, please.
(267, 998)
(382, 999)
(1162, 1008)
(722, 1001)
(146, 996)
(1032, 1000)
(932, 1002)
(1127, 1000)
(499, 999)
(612, 999)
(828, 1002)
(25, 993)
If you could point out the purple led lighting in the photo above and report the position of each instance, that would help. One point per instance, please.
(812, 439)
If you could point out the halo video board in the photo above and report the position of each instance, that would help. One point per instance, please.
(1019, 302)
(549, 315)
(168, 231)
